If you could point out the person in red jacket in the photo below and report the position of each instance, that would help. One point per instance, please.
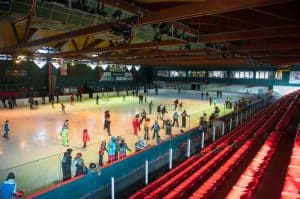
(136, 123)
(85, 137)
(72, 99)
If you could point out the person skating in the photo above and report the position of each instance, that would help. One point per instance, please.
(72, 99)
(111, 150)
(123, 148)
(136, 124)
(85, 137)
(158, 110)
(175, 118)
(140, 144)
(180, 106)
(102, 150)
(52, 101)
(155, 129)
(210, 101)
(163, 110)
(176, 104)
(168, 128)
(80, 168)
(146, 128)
(63, 108)
(5, 129)
(8, 188)
(107, 122)
(64, 133)
(183, 117)
(150, 107)
(143, 115)
(66, 164)
(97, 99)
(165, 119)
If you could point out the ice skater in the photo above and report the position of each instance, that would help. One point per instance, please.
(175, 118)
(123, 148)
(72, 99)
(158, 110)
(107, 122)
(180, 106)
(176, 104)
(155, 129)
(102, 150)
(85, 137)
(143, 115)
(6, 129)
(150, 107)
(136, 124)
(97, 99)
(66, 164)
(210, 101)
(146, 128)
(63, 108)
(64, 133)
(183, 117)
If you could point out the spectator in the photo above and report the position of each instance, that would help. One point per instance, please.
(101, 152)
(123, 148)
(140, 144)
(9, 187)
(66, 164)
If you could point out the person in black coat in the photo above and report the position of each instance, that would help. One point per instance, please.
(66, 164)
(183, 117)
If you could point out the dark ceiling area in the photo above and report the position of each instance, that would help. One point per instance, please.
(154, 32)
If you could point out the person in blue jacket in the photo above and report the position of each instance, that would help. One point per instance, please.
(155, 129)
(6, 129)
(111, 149)
(9, 187)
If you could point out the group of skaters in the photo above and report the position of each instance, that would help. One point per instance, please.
(11, 102)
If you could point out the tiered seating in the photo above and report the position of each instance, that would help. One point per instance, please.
(291, 188)
(143, 192)
(179, 182)
(209, 187)
(248, 182)
(197, 176)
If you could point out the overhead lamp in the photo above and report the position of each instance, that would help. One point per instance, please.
(40, 63)
(129, 67)
(137, 67)
(104, 66)
(93, 65)
(55, 64)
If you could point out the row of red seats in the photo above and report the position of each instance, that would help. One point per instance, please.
(164, 184)
(229, 137)
(291, 188)
(255, 125)
(208, 188)
(184, 187)
(248, 182)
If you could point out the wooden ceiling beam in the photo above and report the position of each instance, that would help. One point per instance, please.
(252, 34)
(119, 48)
(188, 10)
(210, 7)
(264, 45)
(211, 62)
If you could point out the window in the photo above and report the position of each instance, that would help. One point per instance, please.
(174, 73)
(217, 74)
(265, 75)
(197, 73)
(241, 75)
(162, 73)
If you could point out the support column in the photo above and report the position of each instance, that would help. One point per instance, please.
(230, 124)
(146, 172)
(170, 158)
(189, 148)
(223, 128)
(214, 133)
(237, 119)
(202, 140)
(112, 188)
